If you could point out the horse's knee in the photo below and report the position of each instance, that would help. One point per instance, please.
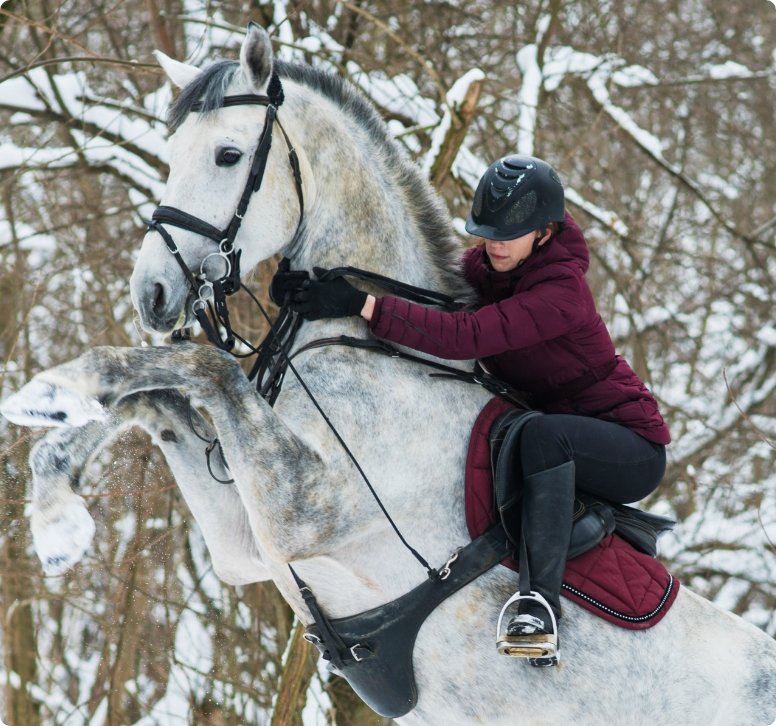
(47, 458)
(63, 453)
(59, 455)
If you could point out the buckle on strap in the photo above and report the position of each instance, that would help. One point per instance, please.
(360, 652)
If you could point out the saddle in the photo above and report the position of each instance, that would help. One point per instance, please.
(611, 568)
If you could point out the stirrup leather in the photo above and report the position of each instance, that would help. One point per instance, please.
(537, 645)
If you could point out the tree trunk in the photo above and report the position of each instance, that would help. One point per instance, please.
(461, 120)
(17, 593)
(298, 670)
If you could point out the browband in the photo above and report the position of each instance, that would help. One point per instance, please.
(274, 97)
(239, 100)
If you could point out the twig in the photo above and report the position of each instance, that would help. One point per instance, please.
(743, 413)
(104, 495)
(145, 67)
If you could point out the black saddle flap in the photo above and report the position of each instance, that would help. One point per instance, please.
(376, 658)
(640, 528)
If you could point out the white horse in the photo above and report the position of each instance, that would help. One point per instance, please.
(296, 496)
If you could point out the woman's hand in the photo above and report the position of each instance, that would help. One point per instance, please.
(323, 298)
(285, 282)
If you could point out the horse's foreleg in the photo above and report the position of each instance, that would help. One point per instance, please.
(275, 471)
(62, 528)
(86, 388)
(215, 505)
(61, 525)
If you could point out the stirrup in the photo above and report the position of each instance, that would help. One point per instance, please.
(539, 645)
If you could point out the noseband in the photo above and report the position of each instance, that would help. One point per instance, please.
(211, 294)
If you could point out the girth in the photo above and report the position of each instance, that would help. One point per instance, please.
(373, 650)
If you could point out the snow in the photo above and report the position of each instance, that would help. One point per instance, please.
(469, 167)
(457, 94)
(728, 69)
(396, 94)
(767, 336)
(20, 93)
(527, 98)
(724, 186)
(634, 76)
(598, 84)
(13, 156)
(609, 219)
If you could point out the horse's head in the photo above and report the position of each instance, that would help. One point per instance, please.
(226, 174)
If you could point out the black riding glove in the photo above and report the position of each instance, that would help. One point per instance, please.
(323, 298)
(286, 281)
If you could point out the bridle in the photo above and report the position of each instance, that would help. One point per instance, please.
(211, 294)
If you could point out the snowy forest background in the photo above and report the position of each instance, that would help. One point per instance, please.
(659, 116)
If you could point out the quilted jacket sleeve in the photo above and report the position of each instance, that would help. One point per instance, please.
(549, 309)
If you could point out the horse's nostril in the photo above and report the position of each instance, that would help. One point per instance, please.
(158, 298)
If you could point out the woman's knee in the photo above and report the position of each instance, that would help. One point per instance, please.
(543, 445)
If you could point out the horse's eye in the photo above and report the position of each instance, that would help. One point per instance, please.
(227, 156)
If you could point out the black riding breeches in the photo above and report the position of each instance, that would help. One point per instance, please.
(610, 461)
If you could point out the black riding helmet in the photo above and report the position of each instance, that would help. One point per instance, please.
(516, 195)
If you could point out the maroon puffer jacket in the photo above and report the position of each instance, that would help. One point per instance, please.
(538, 330)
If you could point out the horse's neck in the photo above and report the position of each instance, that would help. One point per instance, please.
(361, 215)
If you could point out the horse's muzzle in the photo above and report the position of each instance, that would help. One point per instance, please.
(160, 306)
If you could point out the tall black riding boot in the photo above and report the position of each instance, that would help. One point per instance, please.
(548, 504)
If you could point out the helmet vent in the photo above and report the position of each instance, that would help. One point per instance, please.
(522, 208)
(514, 164)
(515, 195)
(477, 205)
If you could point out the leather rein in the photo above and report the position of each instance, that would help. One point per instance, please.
(273, 358)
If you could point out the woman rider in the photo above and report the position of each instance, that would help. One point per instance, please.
(536, 327)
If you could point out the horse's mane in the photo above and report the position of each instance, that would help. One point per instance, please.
(209, 88)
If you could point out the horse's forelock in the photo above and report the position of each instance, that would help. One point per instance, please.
(207, 89)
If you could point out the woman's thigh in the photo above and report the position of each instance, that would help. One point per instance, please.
(611, 461)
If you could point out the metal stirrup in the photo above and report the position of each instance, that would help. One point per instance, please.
(538, 645)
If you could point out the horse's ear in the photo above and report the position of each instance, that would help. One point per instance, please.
(256, 56)
(179, 73)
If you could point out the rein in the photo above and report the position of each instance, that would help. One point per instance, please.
(478, 376)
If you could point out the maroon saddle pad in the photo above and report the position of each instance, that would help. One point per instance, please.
(613, 580)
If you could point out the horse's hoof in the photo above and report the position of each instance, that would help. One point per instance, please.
(61, 540)
(40, 403)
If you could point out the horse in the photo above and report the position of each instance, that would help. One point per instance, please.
(350, 196)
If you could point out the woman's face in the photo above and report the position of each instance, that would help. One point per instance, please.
(507, 255)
